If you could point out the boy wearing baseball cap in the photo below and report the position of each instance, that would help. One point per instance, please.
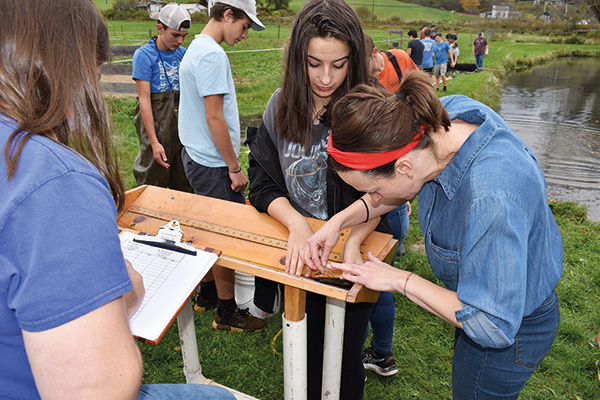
(156, 76)
(209, 129)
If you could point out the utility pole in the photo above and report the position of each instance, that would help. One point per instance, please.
(373, 11)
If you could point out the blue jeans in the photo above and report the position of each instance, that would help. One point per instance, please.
(486, 373)
(398, 220)
(479, 61)
(382, 318)
(382, 324)
(183, 391)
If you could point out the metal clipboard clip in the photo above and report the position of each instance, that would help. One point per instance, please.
(169, 237)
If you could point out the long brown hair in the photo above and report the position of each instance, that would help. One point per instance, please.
(373, 120)
(325, 19)
(49, 84)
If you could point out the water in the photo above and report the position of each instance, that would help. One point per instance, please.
(555, 110)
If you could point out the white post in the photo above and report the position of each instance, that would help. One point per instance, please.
(189, 345)
(295, 347)
(332, 349)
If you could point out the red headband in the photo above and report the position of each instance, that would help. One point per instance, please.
(367, 161)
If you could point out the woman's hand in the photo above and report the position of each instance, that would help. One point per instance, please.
(319, 245)
(373, 274)
(299, 233)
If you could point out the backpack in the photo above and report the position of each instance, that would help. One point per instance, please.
(394, 62)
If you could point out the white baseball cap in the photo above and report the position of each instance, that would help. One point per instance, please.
(173, 15)
(248, 7)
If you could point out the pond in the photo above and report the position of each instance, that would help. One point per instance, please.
(555, 110)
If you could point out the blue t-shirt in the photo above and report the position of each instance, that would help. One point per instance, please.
(488, 229)
(205, 71)
(428, 52)
(60, 254)
(441, 52)
(158, 67)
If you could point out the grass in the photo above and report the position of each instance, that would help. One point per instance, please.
(252, 363)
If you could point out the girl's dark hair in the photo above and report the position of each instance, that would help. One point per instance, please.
(218, 10)
(323, 19)
(49, 80)
(373, 120)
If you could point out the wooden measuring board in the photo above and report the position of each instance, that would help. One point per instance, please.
(250, 241)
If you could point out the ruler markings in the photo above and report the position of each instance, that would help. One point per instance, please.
(211, 227)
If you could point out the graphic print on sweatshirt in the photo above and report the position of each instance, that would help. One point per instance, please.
(305, 177)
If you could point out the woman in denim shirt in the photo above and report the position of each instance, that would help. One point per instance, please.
(489, 233)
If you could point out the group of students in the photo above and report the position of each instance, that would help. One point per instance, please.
(439, 55)
(333, 145)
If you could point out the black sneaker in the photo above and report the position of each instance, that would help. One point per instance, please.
(444, 88)
(383, 365)
(240, 321)
(202, 304)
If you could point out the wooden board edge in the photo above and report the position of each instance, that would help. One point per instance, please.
(388, 251)
(299, 282)
(360, 294)
(130, 197)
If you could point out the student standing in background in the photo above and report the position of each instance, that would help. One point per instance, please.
(480, 49)
(428, 44)
(209, 129)
(415, 49)
(441, 52)
(156, 76)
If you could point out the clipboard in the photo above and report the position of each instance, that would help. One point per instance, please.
(171, 270)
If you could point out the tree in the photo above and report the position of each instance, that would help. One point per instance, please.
(277, 4)
(470, 5)
(595, 7)
(123, 5)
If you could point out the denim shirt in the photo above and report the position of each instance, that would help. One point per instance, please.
(488, 230)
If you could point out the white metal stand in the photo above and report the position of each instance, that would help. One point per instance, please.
(189, 345)
(189, 350)
(332, 350)
(295, 347)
